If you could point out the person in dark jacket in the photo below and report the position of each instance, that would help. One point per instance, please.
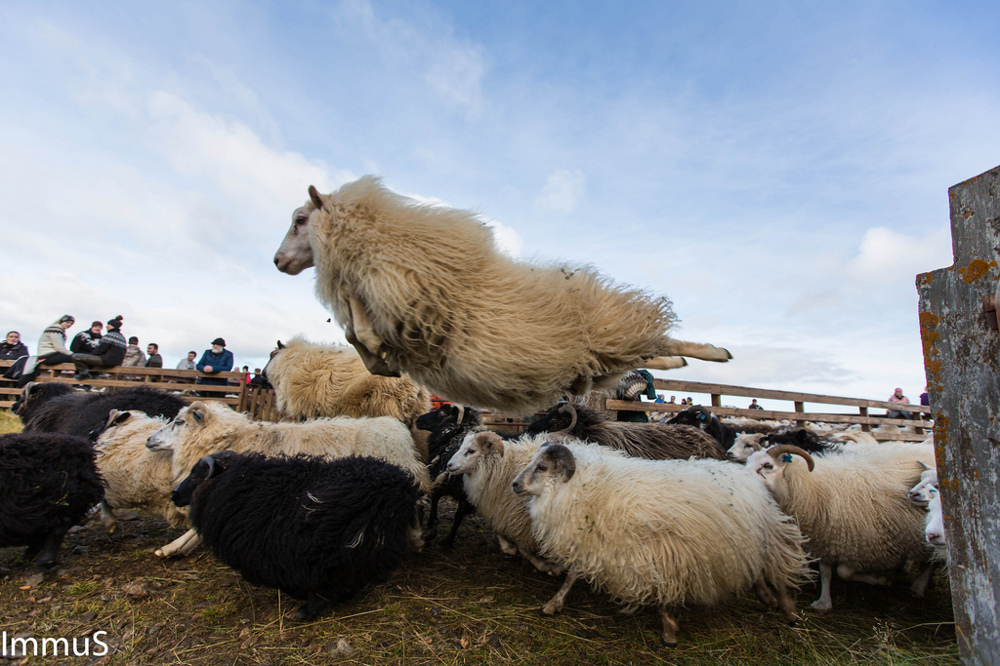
(214, 360)
(12, 348)
(85, 342)
(154, 360)
(108, 354)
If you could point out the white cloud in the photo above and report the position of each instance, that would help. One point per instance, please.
(563, 190)
(885, 254)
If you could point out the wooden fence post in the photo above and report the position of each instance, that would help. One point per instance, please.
(962, 364)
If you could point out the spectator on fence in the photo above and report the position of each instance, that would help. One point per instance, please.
(110, 353)
(754, 405)
(134, 357)
(154, 360)
(52, 344)
(215, 360)
(673, 400)
(898, 397)
(85, 342)
(188, 363)
(12, 348)
(246, 374)
(925, 401)
(258, 380)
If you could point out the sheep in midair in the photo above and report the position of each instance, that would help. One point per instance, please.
(202, 429)
(422, 289)
(654, 441)
(48, 483)
(315, 529)
(853, 508)
(662, 532)
(314, 380)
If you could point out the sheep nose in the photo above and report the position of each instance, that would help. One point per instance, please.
(517, 487)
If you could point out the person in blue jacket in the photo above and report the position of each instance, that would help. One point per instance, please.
(216, 359)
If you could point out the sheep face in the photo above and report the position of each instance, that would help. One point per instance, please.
(934, 530)
(115, 418)
(770, 464)
(445, 415)
(745, 446)
(922, 493)
(552, 464)
(207, 468)
(171, 435)
(474, 448)
(295, 253)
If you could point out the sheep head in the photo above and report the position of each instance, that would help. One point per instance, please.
(207, 468)
(295, 254)
(115, 418)
(194, 415)
(475, 447)
(552, 463)
(746, 444)
(770, 463)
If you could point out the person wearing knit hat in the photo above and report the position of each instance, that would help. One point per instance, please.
(52, 343)
(108, 354)
(898, 397)
(215, 360)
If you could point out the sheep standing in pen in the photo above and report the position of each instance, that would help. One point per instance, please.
(447, 426)
(746, 444)
(315, 529)
(655, 441)
(724, 433)
(662, 532)
(422, 289)
(853, 508)
(48, 483)
(201, 429)
(135, 477)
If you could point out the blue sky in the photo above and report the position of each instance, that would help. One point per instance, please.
(779, 170)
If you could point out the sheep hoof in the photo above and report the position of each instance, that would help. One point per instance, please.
(666, 644)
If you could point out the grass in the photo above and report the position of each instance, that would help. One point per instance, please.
(9, 422)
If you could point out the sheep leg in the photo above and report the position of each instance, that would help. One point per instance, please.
(314, 605)
(181, 546)
(556, 603)
(702, 351)
(430, 532)
(108, 518)
(669, 636)
(464, 509)
(787, 605)
(823, 604)
(366, 341)
(665, 363)
(507, 547)
(919, 587)
(849, 573)
(764, 594)
(50, 547)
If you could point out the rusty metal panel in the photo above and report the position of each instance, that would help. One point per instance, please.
(962, 362)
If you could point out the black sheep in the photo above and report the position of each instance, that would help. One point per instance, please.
(45, 409)
(448, 426)
(725, 434)
(315, 529)
(48, 482)
(654, 441)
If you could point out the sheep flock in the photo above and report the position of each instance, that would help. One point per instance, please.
(691, 513)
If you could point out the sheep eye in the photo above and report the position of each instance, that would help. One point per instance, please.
(542, 468)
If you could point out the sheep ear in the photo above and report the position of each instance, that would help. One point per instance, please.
(119, 417)
(198, 411)
(490, 441)
(923, 465)
(280, 346)
(316, 198)
(562, 459)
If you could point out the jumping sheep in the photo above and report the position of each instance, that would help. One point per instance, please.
(48, 483)
(135, 477)
(853, 508)
(201, 429)
(315, 529)
(662, 532)
(422, 289)
(72, 412)
(655, 441)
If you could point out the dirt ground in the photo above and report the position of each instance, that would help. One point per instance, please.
(468, 605)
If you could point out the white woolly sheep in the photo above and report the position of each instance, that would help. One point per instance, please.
(662, 532)
(135, 477)
(926, 489)
(853, 508)
(314, 380)
(422, 289)
(201, 429)
(934, 528)
(746, 444)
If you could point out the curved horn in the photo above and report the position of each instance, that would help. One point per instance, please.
(316, 198)
(210, 461)
(571, 410)
(780, 449)
(461, 414)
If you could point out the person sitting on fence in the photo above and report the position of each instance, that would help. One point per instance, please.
(85, 342)
(214, 360)
(754, 405)
(154, 360)
(52, 343)
(188, 363)
(898, 397)
(110, 353)
(925, 401)
(258, 380)
(12, 348)
(134, 358)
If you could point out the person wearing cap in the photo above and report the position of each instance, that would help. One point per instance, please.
(898, 397)
(108, 354)
(216, 359)
(52, 343)
(85, 342)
